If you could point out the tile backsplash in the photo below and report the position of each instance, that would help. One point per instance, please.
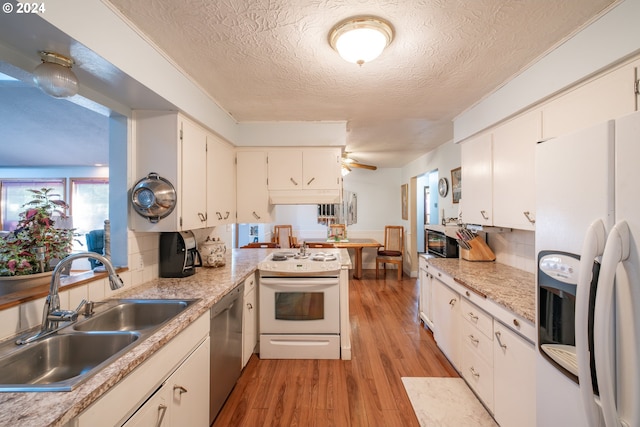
(515, 248)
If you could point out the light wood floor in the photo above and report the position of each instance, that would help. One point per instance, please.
(388, 342)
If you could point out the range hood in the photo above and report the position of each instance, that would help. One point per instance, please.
(303, 197)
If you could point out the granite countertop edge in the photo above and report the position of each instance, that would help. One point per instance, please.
(509, 287)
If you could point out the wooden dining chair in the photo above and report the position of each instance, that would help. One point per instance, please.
(393, 250)
(338, 230)
(260, 245)
(283, 236)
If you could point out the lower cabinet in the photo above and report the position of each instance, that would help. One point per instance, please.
(515, 380)
(171, 388)
(249, 319)
(446, 316)
(180, 399)
(425, 303)
(497, 362)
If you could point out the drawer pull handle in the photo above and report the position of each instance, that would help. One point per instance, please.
(474, 373)
(226, 216)
(473, 316)
(293, 181)
(162, 410)
(250, 306)
(498, 335)
(180, 389)
(529, 218)
(474, 339)
(311, 180)
(484, 214)
(452, 302)
(219, 215)
(255, 215)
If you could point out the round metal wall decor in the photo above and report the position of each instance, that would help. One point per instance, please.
(443, 187)
(153, 197)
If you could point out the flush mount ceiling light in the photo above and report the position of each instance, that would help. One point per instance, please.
(54, 76)
(361, 39)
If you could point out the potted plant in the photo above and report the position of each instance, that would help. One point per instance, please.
(36, 244)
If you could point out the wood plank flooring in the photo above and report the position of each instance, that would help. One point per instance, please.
(388, 342)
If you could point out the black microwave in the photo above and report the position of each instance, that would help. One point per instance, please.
(439, 244)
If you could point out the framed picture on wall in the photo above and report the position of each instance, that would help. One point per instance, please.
(404, 191)
(456, 184)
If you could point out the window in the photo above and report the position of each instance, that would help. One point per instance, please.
(14, 195)
(89, 203)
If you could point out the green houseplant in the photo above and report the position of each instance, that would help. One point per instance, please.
(35, 243)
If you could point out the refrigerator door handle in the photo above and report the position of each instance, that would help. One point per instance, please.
(592, 247)
(616, 250)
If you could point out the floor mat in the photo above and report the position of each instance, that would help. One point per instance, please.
(446, 402)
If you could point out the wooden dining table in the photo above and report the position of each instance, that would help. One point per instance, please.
(357, 245)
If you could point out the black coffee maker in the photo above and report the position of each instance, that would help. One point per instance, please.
(179, 254)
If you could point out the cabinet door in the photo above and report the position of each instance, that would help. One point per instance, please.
(253, 195)
(446, 320)
(221, 182)
(189, 389)
(477, 172)
(514, 171)
(285, 170)
(321, 169)
(514, 378)
(426, 295)
(607, 97)
(194, 176)
(156, 411)
(249, 321)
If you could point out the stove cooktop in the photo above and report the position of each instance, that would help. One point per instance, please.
(295, 262)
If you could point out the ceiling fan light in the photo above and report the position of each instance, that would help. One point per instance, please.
(360, 40)
(54, 76)
(345, 170)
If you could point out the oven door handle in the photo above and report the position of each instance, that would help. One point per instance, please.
(286, 282)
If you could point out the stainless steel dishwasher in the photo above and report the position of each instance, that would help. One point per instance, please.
(226, 348)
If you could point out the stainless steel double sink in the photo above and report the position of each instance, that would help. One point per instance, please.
(62, 361)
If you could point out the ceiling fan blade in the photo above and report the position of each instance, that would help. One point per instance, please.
(362, 166)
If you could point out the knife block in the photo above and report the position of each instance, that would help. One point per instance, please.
(479, 251)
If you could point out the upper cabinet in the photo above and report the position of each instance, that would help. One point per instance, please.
(606, 97)
(514, 171)
(304, 169)
(477, 175)
(253, 196)
(221, 182)
(304, 175)
(200, 166)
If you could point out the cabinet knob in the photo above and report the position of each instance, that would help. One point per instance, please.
(452, 302)
(249, 306)
(516, 323)
(467, 293)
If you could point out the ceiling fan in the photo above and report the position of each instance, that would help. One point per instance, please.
(348, 163)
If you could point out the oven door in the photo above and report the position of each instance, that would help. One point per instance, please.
(299, 305)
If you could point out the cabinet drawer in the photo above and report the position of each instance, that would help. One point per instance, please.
(477, 342)
(249, 284)
(479, 375)
(478, 318)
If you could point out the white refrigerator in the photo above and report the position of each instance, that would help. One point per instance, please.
(588, 297)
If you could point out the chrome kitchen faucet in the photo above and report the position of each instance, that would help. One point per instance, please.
(51, 313)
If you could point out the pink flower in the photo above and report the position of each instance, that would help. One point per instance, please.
(12, 265)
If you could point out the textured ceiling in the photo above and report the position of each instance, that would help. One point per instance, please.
(269, 60)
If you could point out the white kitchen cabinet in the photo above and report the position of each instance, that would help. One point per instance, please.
(175, 148)
(606, 97)
(476, 203)
(477, 351)
(514, 384)
(249, 320)
(514, 171)
(183, 361)
(252, 192)
(304, 169)
(446, 320)
(181, 398)
(221, 182)
(425, 304)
